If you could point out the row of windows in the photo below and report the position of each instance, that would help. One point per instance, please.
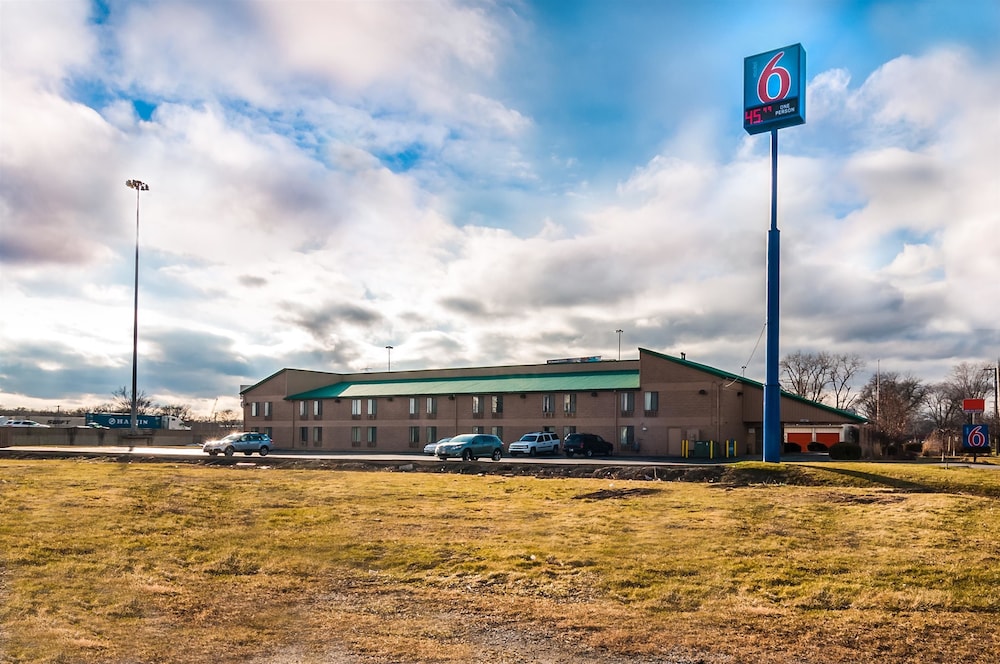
(369, 435)
(359, 407)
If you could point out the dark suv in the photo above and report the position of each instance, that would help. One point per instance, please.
(587, 444)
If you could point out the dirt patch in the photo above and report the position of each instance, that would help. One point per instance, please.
(751, 475)
(879, 498)
(606, 494)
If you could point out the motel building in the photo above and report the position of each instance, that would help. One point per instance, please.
(657, 405)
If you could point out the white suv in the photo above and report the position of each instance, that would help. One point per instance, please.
(24, 423)
(535, 443)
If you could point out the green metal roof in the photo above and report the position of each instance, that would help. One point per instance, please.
(564, 382)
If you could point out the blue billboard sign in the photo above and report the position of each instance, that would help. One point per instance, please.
(124, 420)
(774, 89)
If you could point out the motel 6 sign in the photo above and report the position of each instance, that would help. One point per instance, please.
(774, 89)
(975, 437)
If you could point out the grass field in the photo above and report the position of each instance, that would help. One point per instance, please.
(827, 563)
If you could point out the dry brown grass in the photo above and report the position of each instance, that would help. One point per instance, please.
(114, 562)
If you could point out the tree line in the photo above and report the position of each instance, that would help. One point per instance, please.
(902, 410)
(121, 402)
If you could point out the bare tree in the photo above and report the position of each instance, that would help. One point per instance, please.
(843, 369)
(123, 402)
(229, 418)
(943, 408)
(806, 374)
(893, 403)
(822, 376)
(177, 410)
(970, 381)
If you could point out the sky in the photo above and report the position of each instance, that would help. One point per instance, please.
(484, 183)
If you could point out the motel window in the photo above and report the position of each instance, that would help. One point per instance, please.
(267, 409)
(432, 434)
(477, 405)
(432, 406)
(626, 437)
(628, 403)
(317, 436)
(303, 436)
(498, 432)
(355, 407)
(372, 407)
(497, 405)
(478, 430)
(355, 436)
(548, 404)
(372, 436)
(651, 402)
(567, 431)
(414, 407)
(254, 406)
(302, 409)
(415, 436)
(317, 408)
(569, 404)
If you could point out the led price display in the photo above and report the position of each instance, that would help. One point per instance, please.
(774, 89)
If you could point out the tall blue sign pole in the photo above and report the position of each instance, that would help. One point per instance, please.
(774, 97)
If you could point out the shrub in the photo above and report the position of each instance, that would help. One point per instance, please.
(845, 451)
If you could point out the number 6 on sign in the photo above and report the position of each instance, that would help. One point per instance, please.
(774, 89)
(975, 436)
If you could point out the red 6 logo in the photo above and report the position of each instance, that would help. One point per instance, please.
(784, 80)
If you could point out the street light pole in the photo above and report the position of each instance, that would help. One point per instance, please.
(996, 403)
(388, 364)
(619, 333)
(133, 418)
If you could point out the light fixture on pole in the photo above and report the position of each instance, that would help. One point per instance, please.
(138, 185)
(619, 333)
(388, 362)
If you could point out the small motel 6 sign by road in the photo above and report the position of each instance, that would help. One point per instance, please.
(975, 437)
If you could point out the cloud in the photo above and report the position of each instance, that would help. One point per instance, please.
(327, 179)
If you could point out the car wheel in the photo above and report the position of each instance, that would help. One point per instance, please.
(264, 451)
(229, 451)
(588, 453)
(214, 452)
(497, 454)
(467, 455)
(531, 452)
